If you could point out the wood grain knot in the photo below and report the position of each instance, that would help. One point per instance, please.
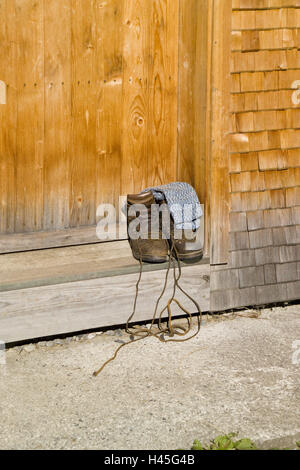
(140, 121)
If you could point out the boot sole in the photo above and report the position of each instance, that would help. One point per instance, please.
(191, 258)
(151, 260)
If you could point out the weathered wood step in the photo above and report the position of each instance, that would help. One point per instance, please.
(60, 291)
(77, 263)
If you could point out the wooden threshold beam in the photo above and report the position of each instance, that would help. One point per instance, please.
(53, 310)
(80, 288)
(19, 242)
(69, 264)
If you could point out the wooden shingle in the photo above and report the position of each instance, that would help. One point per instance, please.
(259, 200)
(263, 101)
(250, 41)
(293, 289)
(286, 235)
(277, 199)
(293, 158)
(265, 140)
(250, 201)
(273, 159)
(275, 99)
(265, 147)
(255, 220)
(259, 4)
(236, 40)
(270, 274)
(274, 179)
(239, 241)
(295, 215)
(267, 255)
(289, 253)
(279, 236)
(248, 181)
(290, 139)
(271, 293)
(266, 120)
(249, 162)
(238, 222)
(252, 276)
(265, 81)
(240, 102)
(224, 279)
(250, 82)
(286, 272)
(227, 299)
(257, 19)
(235, 83)
(235, 163)
(277, 217)
(293, 197)
(265, 60)
(260, 238)
(242, 258)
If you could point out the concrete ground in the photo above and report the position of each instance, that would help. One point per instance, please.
(239, 375)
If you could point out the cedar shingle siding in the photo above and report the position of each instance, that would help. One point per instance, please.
(264, 258)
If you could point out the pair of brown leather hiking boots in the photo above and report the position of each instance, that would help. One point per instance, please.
(156, 237)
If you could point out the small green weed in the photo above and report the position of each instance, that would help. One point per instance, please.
(229, 442)
(226, 442)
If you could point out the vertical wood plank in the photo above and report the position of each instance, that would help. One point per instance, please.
(109, 112)
(220, 127)
(207, 236)
(201, 96)
(8, 114)
(84, 96)
(57, 114)
(30, 125)
(163, 81)
(186, 83)
(135, 95)
(192, 94)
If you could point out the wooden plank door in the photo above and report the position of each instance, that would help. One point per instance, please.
(91, 107)
(102, 99)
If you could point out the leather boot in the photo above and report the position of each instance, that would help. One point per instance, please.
(188, 247)
(154, 249)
